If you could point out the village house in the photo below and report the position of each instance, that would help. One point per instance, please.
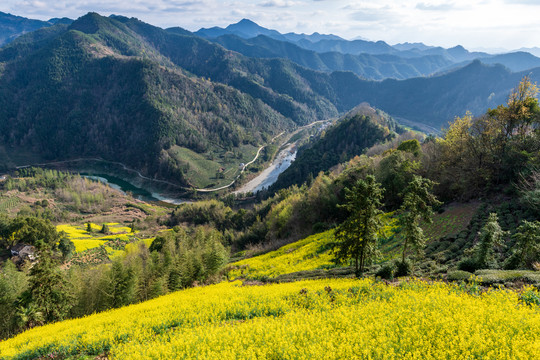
(24, 251)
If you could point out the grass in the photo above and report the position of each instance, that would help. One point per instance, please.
(453, 220)
(202, 170)
(331, 319)
(8, 202)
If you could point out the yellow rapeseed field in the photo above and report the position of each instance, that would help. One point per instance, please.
(307, 254)
(83, 240)
(321, 319)
(310, 253)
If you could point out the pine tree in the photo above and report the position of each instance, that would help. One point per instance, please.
(357, 237)
(417, 205)
(490, 236)
(49, 291)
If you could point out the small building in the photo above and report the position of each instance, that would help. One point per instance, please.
(24, 251)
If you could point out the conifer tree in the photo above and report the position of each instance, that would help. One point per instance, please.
(417, 205)
(357, 237)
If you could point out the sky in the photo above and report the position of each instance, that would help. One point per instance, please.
(475, 24)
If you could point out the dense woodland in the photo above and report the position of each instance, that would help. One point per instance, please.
(126, 91)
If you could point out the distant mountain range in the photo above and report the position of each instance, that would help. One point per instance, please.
(12, 26)
(368, 59)
(247, 29)
(171, 103)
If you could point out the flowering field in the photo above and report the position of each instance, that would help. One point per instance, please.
(84, 240)
(307, 254)
(310, 253)
(330, 319)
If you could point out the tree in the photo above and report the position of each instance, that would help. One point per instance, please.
(12, 284)
(417, 205)
(514, 123)
(49, 292)
(394, 172)
(521, 112)
(66, 247)
(527, 244)
(490, 236)
(29, 230)
(357, 237)
(88, 227)
(121, 288)
(105, 229)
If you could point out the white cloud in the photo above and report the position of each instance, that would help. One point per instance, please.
(472, 23)
(278, 3)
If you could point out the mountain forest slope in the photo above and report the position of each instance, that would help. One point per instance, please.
(12, 26)
(350, 136)
(123, 90)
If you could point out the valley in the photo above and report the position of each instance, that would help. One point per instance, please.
(240, 192)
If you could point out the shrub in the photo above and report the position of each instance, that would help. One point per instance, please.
(530, 296)
(470, 265)
(105, 229)
(403, 268)
(387, 271)
(458, 275)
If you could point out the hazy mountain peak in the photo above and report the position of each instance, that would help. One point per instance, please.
(245, 22)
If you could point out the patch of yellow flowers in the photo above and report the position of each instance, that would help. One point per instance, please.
(307, 254)
(321, 319)
(83, 240)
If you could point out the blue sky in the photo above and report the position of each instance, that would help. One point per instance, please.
(489, 24)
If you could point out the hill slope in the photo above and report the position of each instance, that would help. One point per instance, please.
(98, 89)
(302, 320)
(12, 26)
(350, 136)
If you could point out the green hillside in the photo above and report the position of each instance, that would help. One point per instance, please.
(350, 136)
(97, 89)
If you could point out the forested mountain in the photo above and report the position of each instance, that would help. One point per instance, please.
(98, 88)
(128, 91)
(436, 100)
(12, 26)
(360, 129)
(368, 59)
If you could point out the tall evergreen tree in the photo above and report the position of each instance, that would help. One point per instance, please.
(417, 205)
(357, 237)
(49, 291)
(490, 237)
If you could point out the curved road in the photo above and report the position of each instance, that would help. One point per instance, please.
(170, 183)
(156, 180)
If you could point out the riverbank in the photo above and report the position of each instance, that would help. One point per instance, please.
(269, 175)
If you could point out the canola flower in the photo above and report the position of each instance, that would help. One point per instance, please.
(318, 319)
(307, 254)
(84, 240)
